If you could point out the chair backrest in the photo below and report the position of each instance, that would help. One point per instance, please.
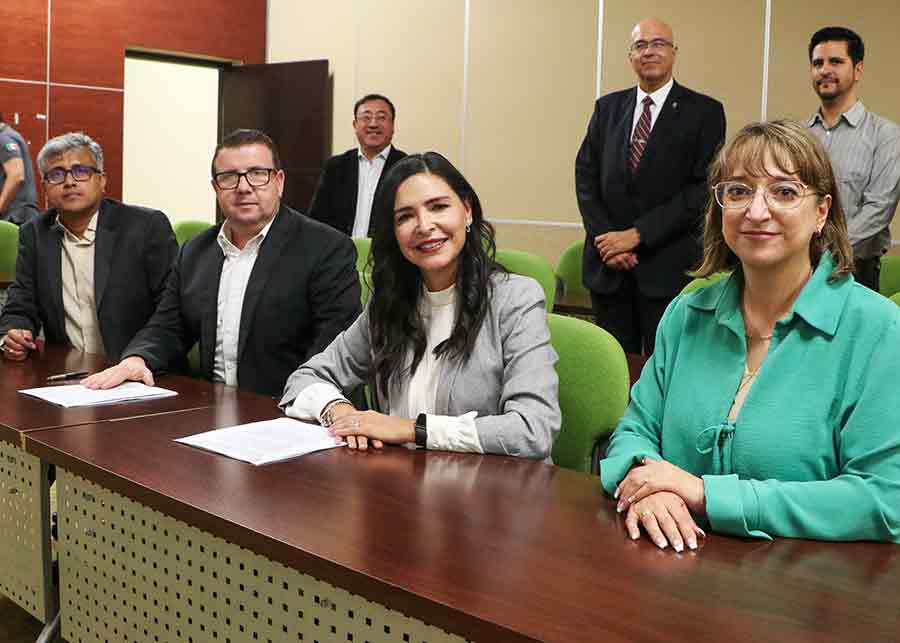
(187, 230)
(568, 269)
(530, 265)
(593, 388)
(363, 248)
(365, 281)
(9, 248)
(889, 281)
(895, 298)
(703, 281)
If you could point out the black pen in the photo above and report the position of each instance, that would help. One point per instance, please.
(68, 376)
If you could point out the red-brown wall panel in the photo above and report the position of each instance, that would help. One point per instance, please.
(24, 51)
(88, 38)
(97, 113)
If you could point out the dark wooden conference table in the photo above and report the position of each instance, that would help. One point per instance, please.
(485, 548)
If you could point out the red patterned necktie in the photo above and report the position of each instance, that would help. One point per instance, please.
(641, 134)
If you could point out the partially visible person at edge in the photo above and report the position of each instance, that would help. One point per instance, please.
(767, 408)
(18, 192)
(455, 350)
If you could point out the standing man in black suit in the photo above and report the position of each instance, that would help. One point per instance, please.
(640, 178)
(343, 198)
(262, 293)
(90, 270)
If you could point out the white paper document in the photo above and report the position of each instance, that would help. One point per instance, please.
(265, 442)
(71, 395)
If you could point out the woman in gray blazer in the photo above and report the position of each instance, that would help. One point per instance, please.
(455, 350)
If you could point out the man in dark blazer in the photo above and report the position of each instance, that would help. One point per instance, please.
(91, 270)
(262, 293)
(640, 178)
(343, 198)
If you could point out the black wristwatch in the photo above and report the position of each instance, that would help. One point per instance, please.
(421, 431)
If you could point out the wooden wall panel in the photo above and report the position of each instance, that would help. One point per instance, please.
(97, 113)
(24, 39)
(88, 40)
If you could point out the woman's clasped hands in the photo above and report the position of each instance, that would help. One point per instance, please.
(663, 499)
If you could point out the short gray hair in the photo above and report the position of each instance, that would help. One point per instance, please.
(63, 143)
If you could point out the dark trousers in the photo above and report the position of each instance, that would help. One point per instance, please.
(630, 316)
(867, 272)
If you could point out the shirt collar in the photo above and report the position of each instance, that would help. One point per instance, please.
(853, 116)
(819, 304)
(659, 96)
(382, 154)
(230, 249)
(90, 233)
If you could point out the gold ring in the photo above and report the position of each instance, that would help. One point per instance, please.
(645, 514)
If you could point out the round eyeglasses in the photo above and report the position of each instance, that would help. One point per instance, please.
(779, 196)
(81, 173)
(256, 178)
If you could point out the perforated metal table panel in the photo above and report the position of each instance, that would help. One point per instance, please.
(130, 573)
(25, 554)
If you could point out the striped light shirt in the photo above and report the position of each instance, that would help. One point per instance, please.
(865, 154)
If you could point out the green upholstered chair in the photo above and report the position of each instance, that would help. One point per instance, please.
(568, 271)
(9, 248)
(895, 298)
(363, 248)
(187, 230)
(365, 280)
(593, 389)
(193, 358)
(704, 281)
(889, 281)
(530, 265)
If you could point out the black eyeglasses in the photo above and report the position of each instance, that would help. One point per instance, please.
(81, 173)
(256, 178)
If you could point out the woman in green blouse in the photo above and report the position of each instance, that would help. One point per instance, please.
(770, 405)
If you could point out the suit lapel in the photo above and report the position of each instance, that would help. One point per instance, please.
(54, 271)
(621, 143)
(104, 245)
(269, 252)
(210, 314)
(666, 123)
(442, 399)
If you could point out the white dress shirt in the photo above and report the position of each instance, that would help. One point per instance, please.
(658, 97)
(445, 433)
(236, 270)
(369, 174)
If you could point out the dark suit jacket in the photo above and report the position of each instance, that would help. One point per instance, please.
(133, 252)
(303, 291)
(664, 199)
(334, 202)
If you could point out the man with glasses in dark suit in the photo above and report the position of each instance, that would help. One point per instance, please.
(90, 271)
(640, 179)
(262, 293)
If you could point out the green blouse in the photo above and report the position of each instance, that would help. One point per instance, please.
(815, 449)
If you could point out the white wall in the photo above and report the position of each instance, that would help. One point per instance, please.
(170, 129)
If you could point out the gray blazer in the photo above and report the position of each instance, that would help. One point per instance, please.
(509, 378)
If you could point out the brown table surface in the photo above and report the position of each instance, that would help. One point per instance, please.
(491, 548)
(22, 413)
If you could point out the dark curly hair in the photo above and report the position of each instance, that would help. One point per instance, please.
(396, 324)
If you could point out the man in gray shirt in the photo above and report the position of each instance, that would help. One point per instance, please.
(18, 195)
(864, 147)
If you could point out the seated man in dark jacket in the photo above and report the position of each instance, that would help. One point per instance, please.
(90, 271)
(262, 293)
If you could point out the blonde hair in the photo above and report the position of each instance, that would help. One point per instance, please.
(795, 151)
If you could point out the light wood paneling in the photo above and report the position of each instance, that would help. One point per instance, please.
(532, 72)
(431, 52)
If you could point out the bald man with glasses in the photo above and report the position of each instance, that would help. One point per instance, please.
(262, 292)
(89, 271)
